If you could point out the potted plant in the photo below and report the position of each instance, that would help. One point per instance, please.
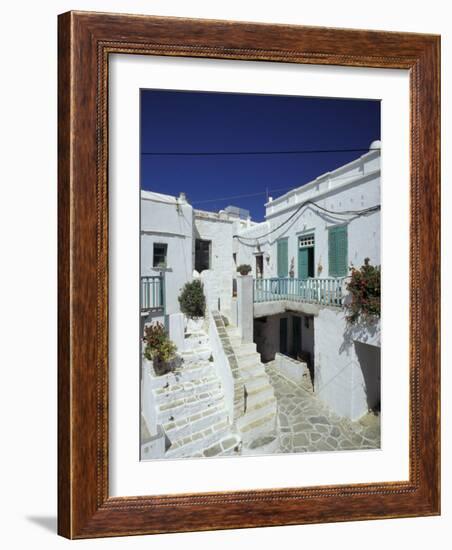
(159, 348)
(244, 269)
(193, 304)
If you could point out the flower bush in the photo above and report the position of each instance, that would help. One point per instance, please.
(364, 288)
(159, 348)
(244, 269)
(192, 300)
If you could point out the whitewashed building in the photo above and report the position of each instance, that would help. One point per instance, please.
(300, 258)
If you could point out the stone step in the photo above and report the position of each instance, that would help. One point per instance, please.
(246, 350)
(193, 371)
(181, 408)
(232, 448)
(259, 394)
(225, 446)
(241, 348)
(188, 425)
(257, 382)
(258, 410)
(266, 444)
(258, 427)
(248, 360)
(235, 341)
(196, 340)
(196, 443)
(252, 371)
(201, 353)
(184, 389)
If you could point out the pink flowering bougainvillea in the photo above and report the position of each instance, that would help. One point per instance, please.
(364, 288)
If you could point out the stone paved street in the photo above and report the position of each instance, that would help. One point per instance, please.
(307, 425)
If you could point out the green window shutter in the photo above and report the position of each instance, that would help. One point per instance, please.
(303, 259)
(337, 251)
(283, 258)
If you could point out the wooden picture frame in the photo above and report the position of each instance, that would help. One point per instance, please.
(86, 40)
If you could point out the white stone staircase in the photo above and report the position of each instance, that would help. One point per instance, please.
(190, 406)
(258, 425)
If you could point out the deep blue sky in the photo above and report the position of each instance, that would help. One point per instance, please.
(203, 122)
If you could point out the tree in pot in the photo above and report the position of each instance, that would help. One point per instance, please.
(193, 302)
(244, 269)
(159, 348)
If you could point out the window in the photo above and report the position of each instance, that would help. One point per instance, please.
(202, 255)
(306, 240)
(160, 251)
(337, 251)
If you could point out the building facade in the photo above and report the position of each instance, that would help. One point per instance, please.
(300, 258)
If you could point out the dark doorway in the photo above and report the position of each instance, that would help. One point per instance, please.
(259, 266)
(283, 335)
(202, 255)
(296, 336)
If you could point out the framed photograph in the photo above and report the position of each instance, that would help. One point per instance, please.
(248, 275)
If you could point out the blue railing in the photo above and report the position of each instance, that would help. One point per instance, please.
(328, 292)
(153, 293)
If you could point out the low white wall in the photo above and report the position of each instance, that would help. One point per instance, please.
(222, 368)
(291, 369)
(154, 447)
(148, 405)
(234, 312)
(245, 307)
(210, 288)
(338, 378)
(176, 329)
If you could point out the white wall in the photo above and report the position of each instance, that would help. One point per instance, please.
(217, 229)
(338, 377)
(354, 186)
(28, 475)
(163, 220)
(246, 248)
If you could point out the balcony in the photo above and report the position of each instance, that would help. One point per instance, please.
(325, 291)
(152, 297)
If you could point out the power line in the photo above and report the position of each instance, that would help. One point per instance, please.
(266, 192)
(238, 153)
(362, 212)
(232, 197)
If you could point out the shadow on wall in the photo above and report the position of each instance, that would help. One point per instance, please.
(361, 332)
(365, 339)
(369, 358)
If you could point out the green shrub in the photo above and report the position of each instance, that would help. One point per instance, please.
(244, 269)
(364, 288)
(159, 348)
(192, 300)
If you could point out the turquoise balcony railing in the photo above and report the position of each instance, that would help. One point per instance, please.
(327, 292)
(153, 293)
